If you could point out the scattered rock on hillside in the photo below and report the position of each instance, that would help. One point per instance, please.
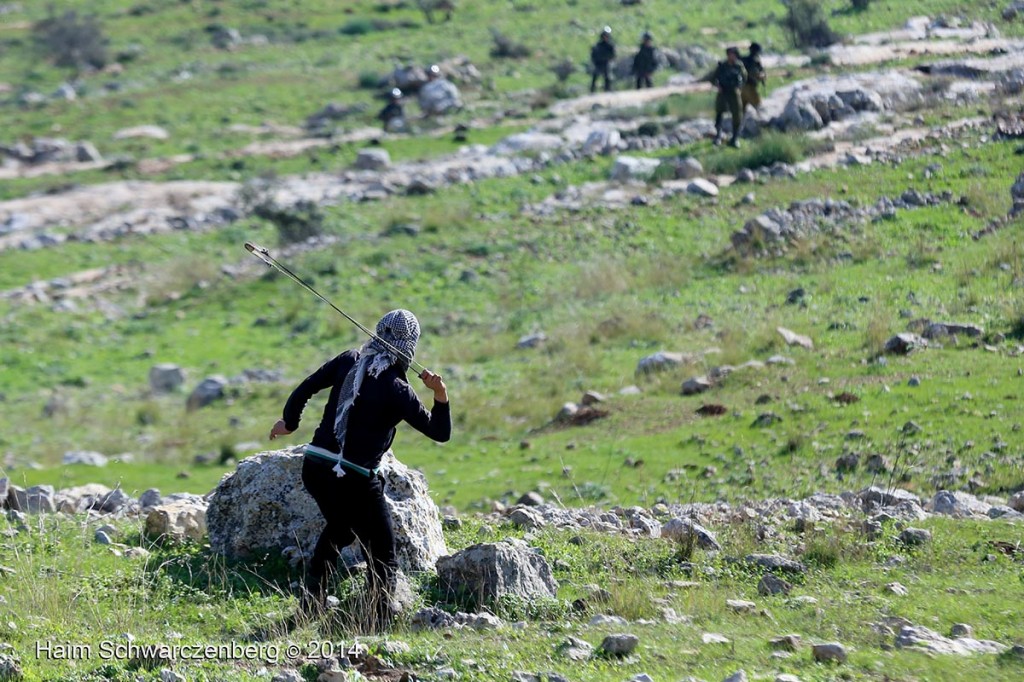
(696, 385)
(524, 517)
(263, 506)
(287, 675)
(628, 168)
(771, 584)
(829, 651)
(684, 530)
(958, 504)
(209, 390)
(1016, 501)
(533, 340)
(85, 457)
(775, 563)
(766, 419)
(921, 638)
(372, 159)
(149, 498)
(899, 589)
(914, 537)
(793, 339)
(10, 668)
(741, 605)
(619, 644)
(488, 571)
(527, 142)
(39, 499)
(177, 521)
(905, 343)
(1014, 10)
(937, 330)
(702, 188)
(886, 497)
(961, 630)
(714, 638)
(1017, 194)
(786, 643)
(738, 676)
(687, 168)
(5, 489)
(575, 649)
(439, 97)
(151, 132)
(166, 378)
(662, 360)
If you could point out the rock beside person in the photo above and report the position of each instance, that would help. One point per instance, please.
(263, 506)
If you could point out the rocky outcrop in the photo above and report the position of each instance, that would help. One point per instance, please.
(921, 638)
(487, 572)
(166, 378)
(815, 103)
(263, 506)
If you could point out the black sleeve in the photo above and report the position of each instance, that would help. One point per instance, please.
(435, 424)
(314, 383)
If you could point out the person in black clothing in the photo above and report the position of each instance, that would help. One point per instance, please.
(369, 396)
(392, 116)
(601, 56)
(645, 63)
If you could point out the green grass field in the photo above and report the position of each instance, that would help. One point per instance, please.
(608, 287)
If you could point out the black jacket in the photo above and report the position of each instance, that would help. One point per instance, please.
(382, 403)
(391, 111)
(602, 53)
(645, 61)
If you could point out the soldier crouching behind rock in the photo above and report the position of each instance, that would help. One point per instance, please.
(369, 396)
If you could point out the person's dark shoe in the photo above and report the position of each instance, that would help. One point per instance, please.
(717, 141)
(734, 143)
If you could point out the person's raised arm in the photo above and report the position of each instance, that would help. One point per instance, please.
(437, 423)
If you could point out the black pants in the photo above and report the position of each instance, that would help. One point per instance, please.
(601, 70)
(643, 80)
(354, 509)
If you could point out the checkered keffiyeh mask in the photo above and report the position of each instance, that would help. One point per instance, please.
(399, 330)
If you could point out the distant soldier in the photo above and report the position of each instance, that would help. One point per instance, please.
(601, 56)
(645, 63)
(392, 117)
(756, 77)
(729, 76)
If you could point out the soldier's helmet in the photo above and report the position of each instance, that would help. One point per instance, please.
(646, 36)
(606, 31)
(396, 93)
(755, 48)
(732, 50)
(434, 70)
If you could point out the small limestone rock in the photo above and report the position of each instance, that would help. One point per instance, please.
(772, 585)
(961, 630)
(914, 537)
(829, 651)
(696, 385)
(168, 675)
(714, 638)
(619, 644)
(372, 159)
(898, 589)
(741, 606)
(738, 676)
(793, 339)
(166, 378)
(575, 649)
(685, 530)
(786, 643)
(702, 188)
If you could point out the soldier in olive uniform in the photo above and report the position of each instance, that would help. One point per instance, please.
(729, 76)
(756, 77)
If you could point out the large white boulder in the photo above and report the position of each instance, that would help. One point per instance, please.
(627, 168)
(263, 506)
(486, 572)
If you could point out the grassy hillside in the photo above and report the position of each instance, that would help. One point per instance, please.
(481, 267)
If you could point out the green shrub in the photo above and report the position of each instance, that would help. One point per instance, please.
(72, 41)
(860, 5)
(357, 27)
(806, 24)
(764, 151)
